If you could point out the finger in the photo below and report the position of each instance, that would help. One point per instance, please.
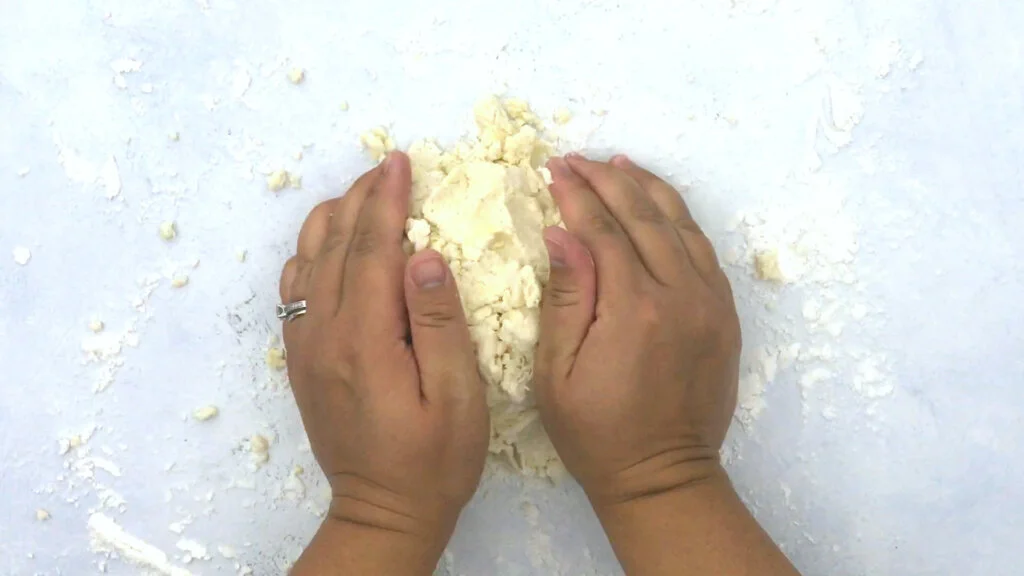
(650, 231)
(373, 285)
(288, 273)
(440, 336)
(329, 265)
(314, 230)
(699, 248)
(567, 308)
(619, 269)
(664, 195)
(294, 287)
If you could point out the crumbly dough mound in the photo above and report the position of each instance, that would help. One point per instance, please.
(484, 204)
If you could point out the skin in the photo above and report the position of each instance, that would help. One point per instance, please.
(636, 377)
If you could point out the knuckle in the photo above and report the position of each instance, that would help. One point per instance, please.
(435, 315)
(334, 242)
(601, 223)
(687, 226)
(563, 295)
(288, 274)
(644, 210)
(364, 243)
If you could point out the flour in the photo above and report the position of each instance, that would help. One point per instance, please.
(21, 255)
(483, 204)
(108, 536)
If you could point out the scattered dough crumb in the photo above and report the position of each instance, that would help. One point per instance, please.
(276, 358)
(343, 106)
(297, 155)
(96, 325)
(766, 266)
(296, 75)
(562, 116)
(174, 136)
(281, 179)
(42, 515)
(241, 255)
(205, 413)
(21, 255)
(600, 112)
(377, 143)
(168, 231)
(260, 448)
(179, 281)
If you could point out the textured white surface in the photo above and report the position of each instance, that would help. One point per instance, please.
(877, 140)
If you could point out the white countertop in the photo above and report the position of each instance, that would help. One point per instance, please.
(882, 138)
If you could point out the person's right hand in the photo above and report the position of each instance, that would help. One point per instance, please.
(637, 367)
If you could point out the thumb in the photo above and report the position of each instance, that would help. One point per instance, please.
(567, 307)
(440, 336)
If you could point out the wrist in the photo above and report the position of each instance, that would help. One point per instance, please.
(366, 503)
(364, 537)
(670, 472)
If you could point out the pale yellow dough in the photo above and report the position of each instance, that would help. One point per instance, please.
(484, 204)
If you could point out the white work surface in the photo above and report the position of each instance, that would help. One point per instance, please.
(884, 137)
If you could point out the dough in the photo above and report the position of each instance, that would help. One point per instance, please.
(168, 231)
(484, 204)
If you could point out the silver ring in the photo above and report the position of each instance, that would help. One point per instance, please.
(289, 312)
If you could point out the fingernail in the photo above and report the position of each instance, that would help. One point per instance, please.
(556, 252)
(385, 163)
(559, 167)
(622, 161)
(429, 273)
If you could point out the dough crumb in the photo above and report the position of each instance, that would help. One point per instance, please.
(96, 326)
(259, 446)
(766, 266)
(241, 255)
(562, 116)
(277, 358)
(377, 143)
(296, 76)
(343, 106)
(168, 231)
(21, 255)
(205, 413)
(179, 281)
(281, 179)
(42, 515)
(174, 136)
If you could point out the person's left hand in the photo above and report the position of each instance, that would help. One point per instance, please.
(384, 372)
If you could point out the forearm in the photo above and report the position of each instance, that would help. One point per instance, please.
(343, 547)
(699, 528)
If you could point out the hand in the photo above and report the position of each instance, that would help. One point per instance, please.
(637, 370)
(385, 378)
(638, 361)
